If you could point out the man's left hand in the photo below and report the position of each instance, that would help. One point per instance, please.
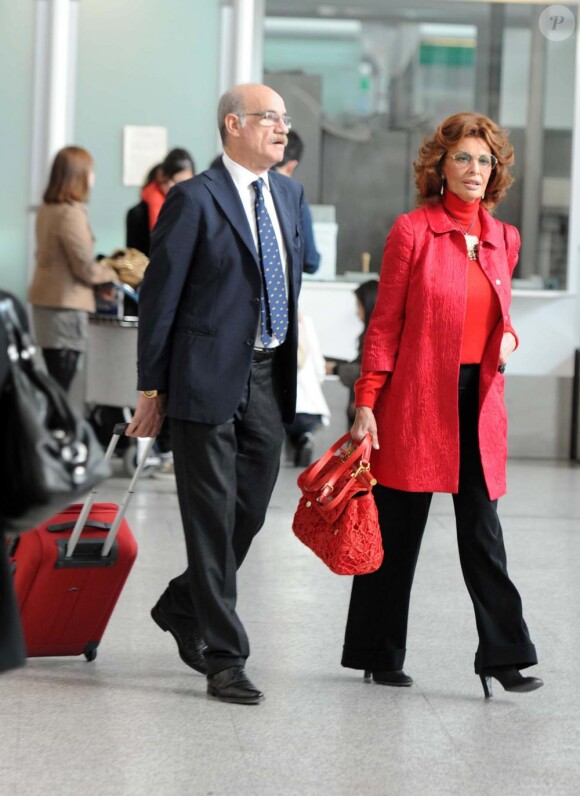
(148, 417)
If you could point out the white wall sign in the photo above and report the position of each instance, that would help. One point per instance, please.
(143, 147)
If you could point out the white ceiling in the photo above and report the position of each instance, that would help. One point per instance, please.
(460, 11)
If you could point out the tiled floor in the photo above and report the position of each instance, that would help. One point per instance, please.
(137, 720)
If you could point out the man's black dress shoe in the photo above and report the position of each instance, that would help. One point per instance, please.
(510, 678)
(190, 644)
(397, 677)
(233, 685)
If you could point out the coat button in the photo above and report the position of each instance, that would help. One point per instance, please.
(250, 341)
(255, 301)
(498, 281)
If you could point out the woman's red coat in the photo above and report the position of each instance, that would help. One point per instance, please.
(415, 333)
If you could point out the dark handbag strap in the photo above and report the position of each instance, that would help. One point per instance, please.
(21, 352)
(20, 345)
(16, 333)
(20, 349)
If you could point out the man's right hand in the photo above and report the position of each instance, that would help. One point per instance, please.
(148, 417)
(365, 423)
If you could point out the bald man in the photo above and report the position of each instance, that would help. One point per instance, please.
(217, 354)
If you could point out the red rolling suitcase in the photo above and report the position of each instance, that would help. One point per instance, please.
(70, 571)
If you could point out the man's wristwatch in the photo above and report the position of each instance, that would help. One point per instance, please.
(151, 393)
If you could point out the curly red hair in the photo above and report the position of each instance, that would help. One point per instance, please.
(428, 177)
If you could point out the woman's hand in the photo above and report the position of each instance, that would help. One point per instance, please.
(508, 346)
(365, 423)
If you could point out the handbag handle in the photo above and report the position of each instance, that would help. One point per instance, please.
(21, 351)
(23, 347)
(20, 348)
(329, 501)
(358, 454)
(307, 479)
(11, 323)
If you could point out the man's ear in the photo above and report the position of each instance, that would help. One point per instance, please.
(233, 125)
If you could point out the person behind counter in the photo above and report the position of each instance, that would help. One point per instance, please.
(137, 234)
(431, 395)
(62, 288)
(348, 372)
(293, 152)
(311, 408)
(177, 166)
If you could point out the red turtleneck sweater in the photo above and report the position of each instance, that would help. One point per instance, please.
(481, 313)
(482, 310)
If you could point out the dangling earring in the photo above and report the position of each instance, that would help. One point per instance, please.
(442, 191)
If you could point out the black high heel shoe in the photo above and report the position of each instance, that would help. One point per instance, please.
(511, 680)
(397, 677)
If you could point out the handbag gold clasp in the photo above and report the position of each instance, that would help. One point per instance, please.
(362, 468)
(348, 451)
(365, 467)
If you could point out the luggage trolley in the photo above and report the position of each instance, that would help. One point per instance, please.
(110, 379)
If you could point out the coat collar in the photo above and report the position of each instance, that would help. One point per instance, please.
(224, 191)
(439, 221)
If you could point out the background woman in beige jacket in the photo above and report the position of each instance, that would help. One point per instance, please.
(62, 290)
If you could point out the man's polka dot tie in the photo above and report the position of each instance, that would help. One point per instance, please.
(274, 304)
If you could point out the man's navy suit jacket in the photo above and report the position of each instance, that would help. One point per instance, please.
(199, 304)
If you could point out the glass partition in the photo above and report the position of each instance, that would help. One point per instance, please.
(365, 84)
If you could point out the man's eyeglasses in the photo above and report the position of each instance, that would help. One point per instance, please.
(465, 158)
(270, 118)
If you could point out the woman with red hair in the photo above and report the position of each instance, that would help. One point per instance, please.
(431, 395)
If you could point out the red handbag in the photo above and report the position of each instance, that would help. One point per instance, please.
(336, 516)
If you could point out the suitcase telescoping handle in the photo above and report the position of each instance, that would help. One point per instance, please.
(118, 432)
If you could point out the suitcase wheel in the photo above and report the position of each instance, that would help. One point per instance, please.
(90, 651)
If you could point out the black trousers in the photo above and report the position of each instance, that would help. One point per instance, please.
(61, 364)
(225, 476)
(302, 424)
(163, 441)
(376, 631)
